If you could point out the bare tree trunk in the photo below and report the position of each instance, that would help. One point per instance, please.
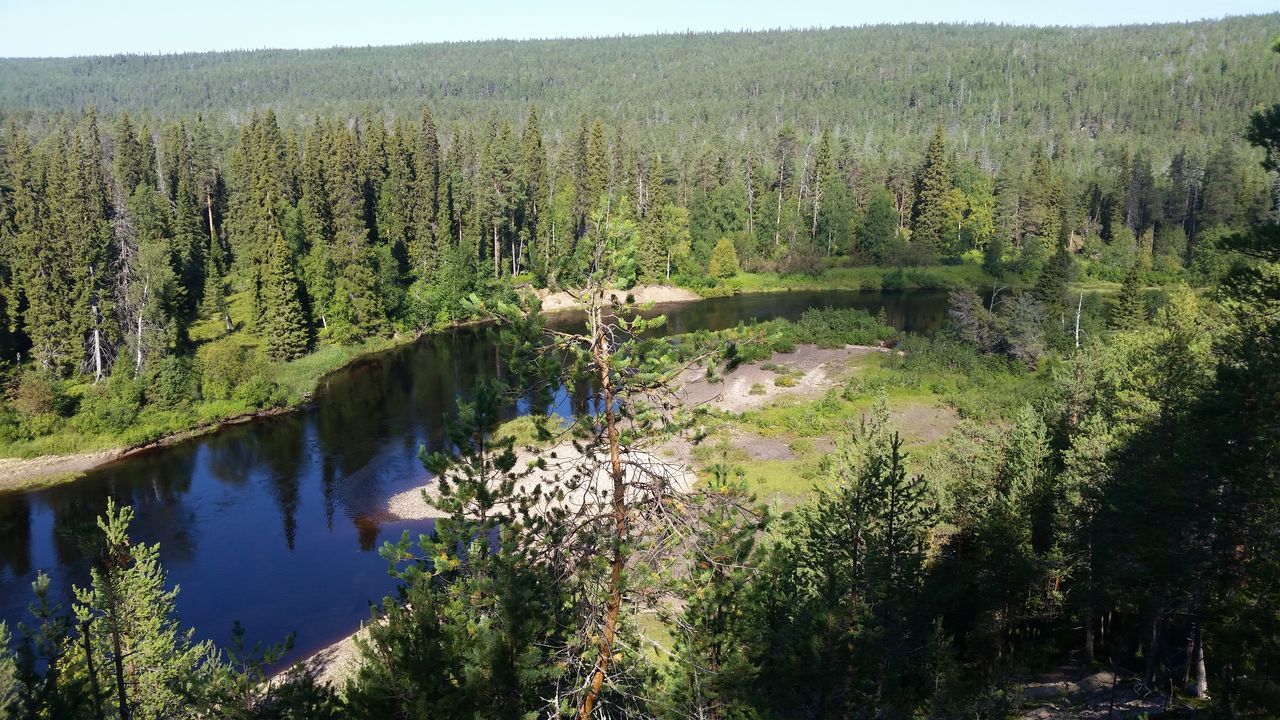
(1079, 308)
(208, 205)
(497, 254)
(777, 219)
(97, 347)
(1153, 646)
(121, 696)
(600, 349)
(137, 366)
(94, 689)
(1088, 635)
(1202, 679)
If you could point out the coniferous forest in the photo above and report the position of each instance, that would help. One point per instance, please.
(190, 238)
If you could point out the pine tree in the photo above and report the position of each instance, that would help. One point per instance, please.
(144, 665)
(713, 669)
(284, 326)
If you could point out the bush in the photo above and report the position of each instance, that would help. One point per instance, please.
(724, 259)
(225, 365)
(39, 393)
(173, 383)
(259, 392)
(803, 259)
(836, 328)
(111, 407)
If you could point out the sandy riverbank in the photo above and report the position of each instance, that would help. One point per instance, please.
(641, 294)
(22, 473)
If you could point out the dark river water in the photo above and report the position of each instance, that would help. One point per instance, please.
(276, 523)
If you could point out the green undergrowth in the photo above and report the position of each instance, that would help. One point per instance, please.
(930, 386)
(227, 376)
(824, 327)
(928, 277)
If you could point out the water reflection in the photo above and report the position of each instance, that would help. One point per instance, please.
(276, 523)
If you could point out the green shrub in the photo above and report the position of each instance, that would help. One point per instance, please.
(836, 328)
(724, 259)
(226, 364)
(112, 406)
(39, 393)
(173, 383)
(259, 392)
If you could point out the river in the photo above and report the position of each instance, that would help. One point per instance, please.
(276, 523)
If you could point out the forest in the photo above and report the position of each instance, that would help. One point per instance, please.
(209, 254)
(177, 248)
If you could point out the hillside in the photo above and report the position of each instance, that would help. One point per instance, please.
(995, 84)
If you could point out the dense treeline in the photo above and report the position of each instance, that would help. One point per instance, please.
(882, 87)
(119, 238)
(1118, 507)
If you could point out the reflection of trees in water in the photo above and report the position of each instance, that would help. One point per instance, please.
(286, 453)
(233, 454)
(367, 529)
(15, 534)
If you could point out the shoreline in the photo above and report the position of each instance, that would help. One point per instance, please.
(19, 474)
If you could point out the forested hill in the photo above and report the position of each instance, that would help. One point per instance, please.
(878, 84)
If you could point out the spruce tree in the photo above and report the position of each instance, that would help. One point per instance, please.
(1130, 311)
(1051, 286)
(153, 298)
(929, 229)
(535, 180)
(284, 326)
(824, 170)
(355, 308)
(213, 300)
(428, 237)
(134, 160)
(596, 182)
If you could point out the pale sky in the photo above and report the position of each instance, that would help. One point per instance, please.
(94, 27)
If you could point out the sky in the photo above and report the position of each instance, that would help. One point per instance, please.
(38, 28)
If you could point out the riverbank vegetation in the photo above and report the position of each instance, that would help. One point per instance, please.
(1057, 479)
(151, 258)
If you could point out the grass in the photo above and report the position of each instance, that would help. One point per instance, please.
(653, 629)
(525, 431)
(297, 380)
(300, 377)
(927, 391)
(929, 277)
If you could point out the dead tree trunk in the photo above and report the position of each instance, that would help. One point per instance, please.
(600, 351)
